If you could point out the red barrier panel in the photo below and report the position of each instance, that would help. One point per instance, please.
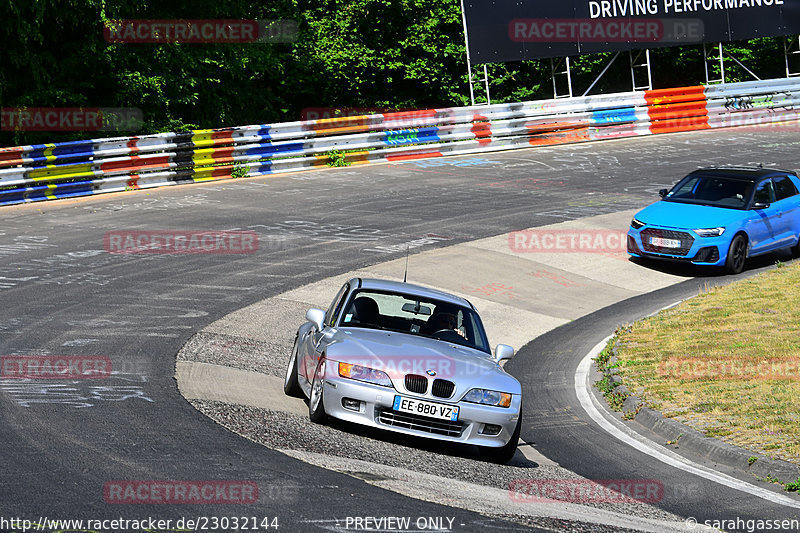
(10, 157)
(671, 96)
(680, 109)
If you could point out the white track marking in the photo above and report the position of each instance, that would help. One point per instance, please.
(625, 434)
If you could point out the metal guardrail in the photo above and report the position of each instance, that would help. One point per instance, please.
(60, 170)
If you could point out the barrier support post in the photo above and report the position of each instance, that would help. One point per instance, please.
(469, 63)
(717, 58)
(556, 64)
(730, 56)
(486, 84)
(608, 66)
(637, 62)
(791, 48)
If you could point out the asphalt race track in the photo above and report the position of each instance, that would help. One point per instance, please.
(561, 430)
(63, 294)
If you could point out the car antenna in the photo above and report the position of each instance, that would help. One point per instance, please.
(405, 274)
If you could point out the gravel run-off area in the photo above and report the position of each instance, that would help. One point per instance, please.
(285, 431)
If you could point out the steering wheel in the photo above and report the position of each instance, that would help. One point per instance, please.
(448, 335)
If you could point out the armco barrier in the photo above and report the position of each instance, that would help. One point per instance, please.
(60, 170)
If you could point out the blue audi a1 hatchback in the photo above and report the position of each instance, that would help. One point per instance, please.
(720, 216)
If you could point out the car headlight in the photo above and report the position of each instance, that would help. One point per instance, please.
(488, 397)
(363, 373)
(710, 232)
(636, 224)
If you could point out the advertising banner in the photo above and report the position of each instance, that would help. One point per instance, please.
(513, 30)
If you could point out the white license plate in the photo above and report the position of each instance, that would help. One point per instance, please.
(423, 408)
(665, 243)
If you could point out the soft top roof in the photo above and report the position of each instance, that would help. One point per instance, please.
(409, 289)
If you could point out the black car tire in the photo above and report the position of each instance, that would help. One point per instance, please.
(796, 248)
(737, 255)
(506, 453)
(316, 405)
(291, 387)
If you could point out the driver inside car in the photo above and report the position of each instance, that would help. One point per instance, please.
(441, 319)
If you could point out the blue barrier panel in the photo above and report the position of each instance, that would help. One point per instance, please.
(614, 116)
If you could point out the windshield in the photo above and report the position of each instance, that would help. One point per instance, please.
(715, 191)
(416, 316)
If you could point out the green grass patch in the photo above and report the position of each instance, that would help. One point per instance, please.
(615, 400)
(240, 171)
(338, 158)
(726, 362)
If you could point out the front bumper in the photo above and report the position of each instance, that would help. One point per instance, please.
(375, 410)
(711, 251)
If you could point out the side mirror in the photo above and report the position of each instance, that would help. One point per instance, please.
(663, 193)
(503, 352)
(316, 317)
(761, 205)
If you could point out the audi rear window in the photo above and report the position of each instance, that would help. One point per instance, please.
(784, 188)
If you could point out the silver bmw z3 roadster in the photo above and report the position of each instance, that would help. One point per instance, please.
(409, 359)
